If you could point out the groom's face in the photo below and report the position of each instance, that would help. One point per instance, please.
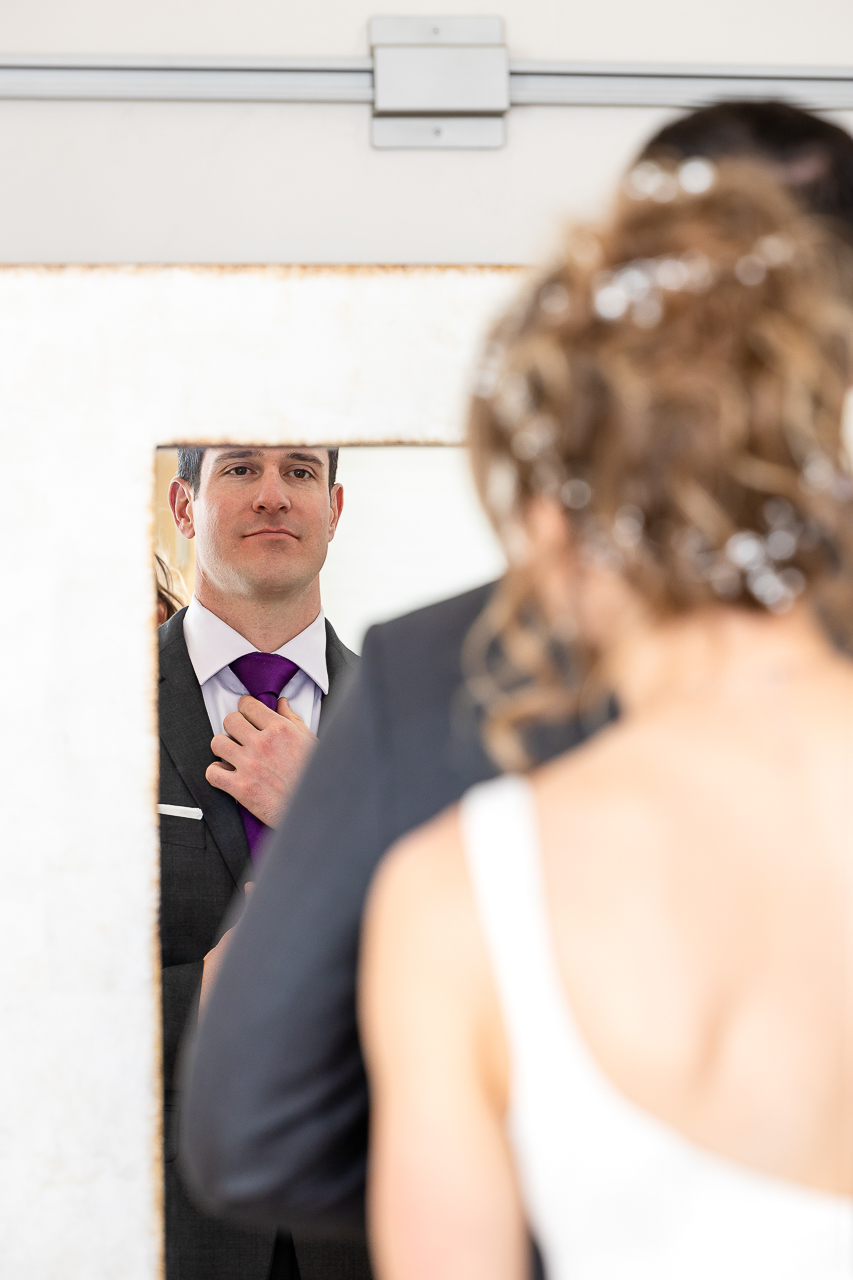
(262, 518)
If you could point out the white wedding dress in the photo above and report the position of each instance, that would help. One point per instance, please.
(611, 1192)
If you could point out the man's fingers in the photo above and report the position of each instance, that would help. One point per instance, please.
(222, 776)
(226, 748)
(255, 712)
(261, 717)
(238, 727)
(210, 968)
(285, 710)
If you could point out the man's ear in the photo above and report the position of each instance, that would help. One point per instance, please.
(336, 506)
(181, 503)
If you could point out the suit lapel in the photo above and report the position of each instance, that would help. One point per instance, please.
(186, 734)
(341, 664)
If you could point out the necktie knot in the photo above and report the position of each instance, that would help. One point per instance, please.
(264, 675)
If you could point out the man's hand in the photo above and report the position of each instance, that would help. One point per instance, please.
(215, 956)
(265, 752)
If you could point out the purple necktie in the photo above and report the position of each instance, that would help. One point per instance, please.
(264, 675)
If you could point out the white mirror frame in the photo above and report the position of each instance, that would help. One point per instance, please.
(100, 366)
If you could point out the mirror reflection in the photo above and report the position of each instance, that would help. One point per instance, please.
(271, 565)
(412, 532)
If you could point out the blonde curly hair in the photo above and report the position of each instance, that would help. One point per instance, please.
(677, 381)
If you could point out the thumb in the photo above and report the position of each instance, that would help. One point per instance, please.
(284, 709)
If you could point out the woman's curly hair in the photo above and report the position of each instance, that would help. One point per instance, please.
(677, 381)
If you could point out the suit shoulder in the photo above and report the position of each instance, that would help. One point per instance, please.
(171, 632)
(334, 642)
(414, 663)
(446, 622)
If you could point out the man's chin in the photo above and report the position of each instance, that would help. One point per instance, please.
(272, 571)
(271, 583)
(273, 588)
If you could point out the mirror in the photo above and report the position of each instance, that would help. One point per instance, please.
(412, 532)
(240, 537)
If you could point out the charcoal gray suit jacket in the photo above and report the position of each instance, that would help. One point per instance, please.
(202, 863)
(276, 1117)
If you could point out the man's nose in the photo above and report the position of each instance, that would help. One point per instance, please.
(271, 494)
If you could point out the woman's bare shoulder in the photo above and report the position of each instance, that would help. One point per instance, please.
(423, 956)
(420, 890)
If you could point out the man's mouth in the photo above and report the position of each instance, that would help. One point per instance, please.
(271, 533)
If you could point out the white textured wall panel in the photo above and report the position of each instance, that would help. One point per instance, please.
(96, 369)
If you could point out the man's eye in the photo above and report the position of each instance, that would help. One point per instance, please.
(237, 471)
(301, 473)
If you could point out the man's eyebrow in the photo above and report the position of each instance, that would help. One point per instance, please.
(305, 457)
(229, 455)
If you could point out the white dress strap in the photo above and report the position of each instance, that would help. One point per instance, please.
(501, 840)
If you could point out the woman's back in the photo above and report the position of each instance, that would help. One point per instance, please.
(609, 1188)
(641, 957)
(667, 914)
(699, 868)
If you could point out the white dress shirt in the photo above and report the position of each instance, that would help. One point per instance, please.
(212, 645)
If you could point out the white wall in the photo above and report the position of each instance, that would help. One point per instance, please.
(744, 31)
(412, 532)
(263, 182)
(260, 182)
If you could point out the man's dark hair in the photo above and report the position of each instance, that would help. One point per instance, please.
(189, 467)
(812, 157)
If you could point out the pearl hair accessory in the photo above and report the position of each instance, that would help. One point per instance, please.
(636, 289)
(648, 181)
(751, 560)
(638, 286)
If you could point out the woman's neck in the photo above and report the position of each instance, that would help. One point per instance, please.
(718, 653)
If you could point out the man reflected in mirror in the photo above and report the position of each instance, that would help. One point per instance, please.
(248, 674)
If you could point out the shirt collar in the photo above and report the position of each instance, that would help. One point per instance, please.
(212, 645)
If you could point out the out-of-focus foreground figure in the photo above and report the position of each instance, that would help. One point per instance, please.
(612, 998)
